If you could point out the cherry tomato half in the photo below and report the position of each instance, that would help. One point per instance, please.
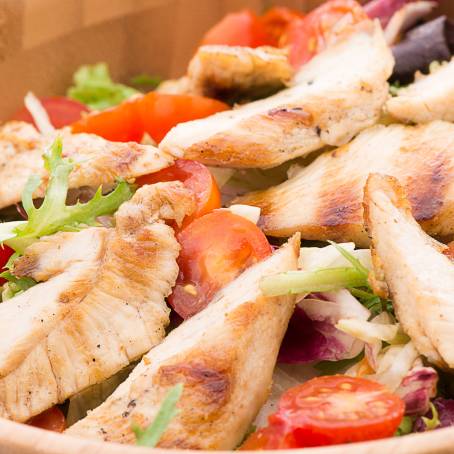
(310, 35)
(195, 177)
(5, 253)
(242, 28)
(215, 249)
(52, 419)
(154, 113)
(62, 111)
(160, 112)
(330, 410)
(277, 20)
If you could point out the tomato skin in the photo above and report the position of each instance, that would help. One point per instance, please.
(160, 112)
(242, 28)
(215, 249)
(195, 177)
(62, 111)
(330, 410)
(277, 20)
(5, 253)
(118, 124)
(154, 113)
(310, 35)
(52, 419)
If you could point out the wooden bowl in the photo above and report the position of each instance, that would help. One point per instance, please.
(42, 42)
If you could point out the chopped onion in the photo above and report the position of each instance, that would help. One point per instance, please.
(246, 211)
(38, 113)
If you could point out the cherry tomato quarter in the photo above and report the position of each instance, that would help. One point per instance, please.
(52, 419)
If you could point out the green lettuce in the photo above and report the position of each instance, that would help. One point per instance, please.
(54, 215)
(151, 435)
(94, 87)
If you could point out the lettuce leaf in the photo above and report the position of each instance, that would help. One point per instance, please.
(151, 435)
(54, 215)
(94, 87)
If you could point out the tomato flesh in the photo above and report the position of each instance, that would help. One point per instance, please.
(5, 253)
(277, 20)
(195, 177)
(154, 113)
(310, 35)
(330, 410)
(62, 111)
(215, 249)
(243, 28)
(160, 112)
(52, 419)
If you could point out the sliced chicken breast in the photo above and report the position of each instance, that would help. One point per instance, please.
(236, 73)
(99, 304)
(97, 161)
(224, 356)
(324, 200)
(414, 268)
(430, 98)
(336, 95)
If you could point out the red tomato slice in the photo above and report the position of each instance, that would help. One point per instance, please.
(5, 253)
(62, 111)
(154, 113)
(243, 28)
(310, 35)
(277, 20)
(118, 124)
(52, 419)
(331, 410)
(195, 177)
(160, 112)
(215, 249)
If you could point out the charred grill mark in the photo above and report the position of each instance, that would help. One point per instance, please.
(210, 383)
(339, 205)
(426, 192)
(26, 266)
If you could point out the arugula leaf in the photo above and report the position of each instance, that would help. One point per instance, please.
(15, 286)
(336, 367)
(151, 435)
(54, 215)
(374, 303)
(94, 87)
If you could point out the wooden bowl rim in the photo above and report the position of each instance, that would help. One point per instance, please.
(24, 439)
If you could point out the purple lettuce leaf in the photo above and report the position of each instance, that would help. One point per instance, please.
(445, 409)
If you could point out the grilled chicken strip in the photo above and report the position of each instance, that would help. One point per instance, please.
(416, 270)
(99, 306)
(97, 161)
(430, 98)
(336, 95)
(324, 200)
(238, 73)
(224, 356)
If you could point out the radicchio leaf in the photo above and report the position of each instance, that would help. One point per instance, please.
(445, 409)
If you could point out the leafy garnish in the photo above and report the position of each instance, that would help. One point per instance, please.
(357, 265)
(54, 215)
(151, 435)
(322, 280)
(374, 303)
(405, 427)
(336, 367)
(15, 285)
(94, 87)
(433, 422)
(146, 81)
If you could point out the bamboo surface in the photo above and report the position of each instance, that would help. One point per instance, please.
(42, 42)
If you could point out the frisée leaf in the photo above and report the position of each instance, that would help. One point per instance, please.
(54, 215)
(151, 435)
